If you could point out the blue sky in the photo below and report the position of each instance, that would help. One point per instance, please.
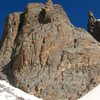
(76, 9)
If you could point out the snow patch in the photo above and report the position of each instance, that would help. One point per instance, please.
(92, 95)
(8, 92)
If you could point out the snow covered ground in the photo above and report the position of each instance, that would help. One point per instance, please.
(8, 92)
(92, 95)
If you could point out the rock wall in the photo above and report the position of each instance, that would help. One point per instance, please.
(43, 54)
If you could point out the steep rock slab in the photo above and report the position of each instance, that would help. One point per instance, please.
(9, 35)
(50, 57)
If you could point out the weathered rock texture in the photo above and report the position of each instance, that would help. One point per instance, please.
(44, 54)
(94, 26)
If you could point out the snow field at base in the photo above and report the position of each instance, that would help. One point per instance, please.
(14, 92)
(92, 95)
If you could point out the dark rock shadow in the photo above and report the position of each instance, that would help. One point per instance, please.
(7, 74)
(42, 18)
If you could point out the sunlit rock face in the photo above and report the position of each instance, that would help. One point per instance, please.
(43, 54)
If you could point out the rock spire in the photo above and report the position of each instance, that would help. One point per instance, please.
(43, 54)
(93, 26)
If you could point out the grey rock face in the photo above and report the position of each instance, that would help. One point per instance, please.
(48, 56)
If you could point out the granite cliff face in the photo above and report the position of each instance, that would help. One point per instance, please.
(43, 54)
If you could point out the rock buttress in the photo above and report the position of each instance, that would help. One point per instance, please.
(51, 58)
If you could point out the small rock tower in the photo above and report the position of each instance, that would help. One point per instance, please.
(49, 8)
(91, 22)
(94, 26)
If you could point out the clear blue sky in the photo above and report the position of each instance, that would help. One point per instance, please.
(76, 9)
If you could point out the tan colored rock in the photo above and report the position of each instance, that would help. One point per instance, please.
(9, 35)
(50, 57)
